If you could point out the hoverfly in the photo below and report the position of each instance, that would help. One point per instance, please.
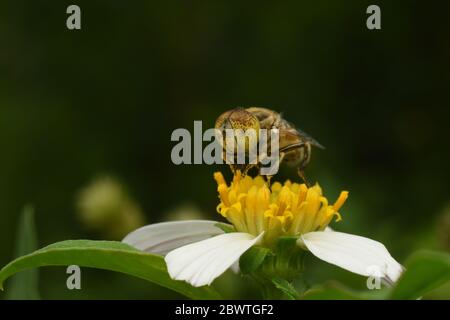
(294, 144)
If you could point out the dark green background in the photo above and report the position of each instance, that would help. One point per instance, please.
(105, 100)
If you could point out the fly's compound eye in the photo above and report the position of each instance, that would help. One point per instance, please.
(239, 125)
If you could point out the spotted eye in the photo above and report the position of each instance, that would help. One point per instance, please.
(240, 121)
(223, 119)
(237, 119)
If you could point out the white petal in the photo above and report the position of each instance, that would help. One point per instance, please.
(201, 262)
(353, 253)
(160, 238)
(235, 267)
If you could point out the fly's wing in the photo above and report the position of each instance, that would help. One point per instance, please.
(289, 139)
(293, 137)
(293, 133)
(310, 139)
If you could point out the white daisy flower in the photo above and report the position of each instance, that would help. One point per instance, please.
(199, 251)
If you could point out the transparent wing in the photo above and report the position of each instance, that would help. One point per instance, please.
(310, 139)
(302, 134)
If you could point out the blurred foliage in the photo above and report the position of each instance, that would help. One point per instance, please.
(105, 99)
(425, 271)
(184, 211)
(104, 206)
(25, 285)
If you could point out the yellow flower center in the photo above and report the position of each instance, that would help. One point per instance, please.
(290, 209)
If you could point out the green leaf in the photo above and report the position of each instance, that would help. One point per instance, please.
(425, 271)
(108, 255)
(225, 227)
(286, 287)
(24, 286)
(252, 259)
(336, 291)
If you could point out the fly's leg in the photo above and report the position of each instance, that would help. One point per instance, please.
(301, 174)
(268, 178)
(279, 161)
(247, 168)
